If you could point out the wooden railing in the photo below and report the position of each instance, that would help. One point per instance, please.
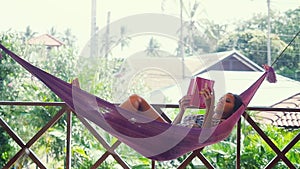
(25, 148)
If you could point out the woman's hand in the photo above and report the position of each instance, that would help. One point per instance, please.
(209, 96)
(184, 102)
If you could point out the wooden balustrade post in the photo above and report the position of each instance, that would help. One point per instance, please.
(152, 164)
(238, 145)
(69, 136)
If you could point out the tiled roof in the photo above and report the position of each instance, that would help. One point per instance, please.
(282, 119)
(46, 40)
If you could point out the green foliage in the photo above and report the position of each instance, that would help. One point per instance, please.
(255, 153)
(251, 43)
(97, 75)
(4, 148)
(8, 70)
(284, 26)
(18, 84)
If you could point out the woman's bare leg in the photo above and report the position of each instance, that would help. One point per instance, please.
(137, 104)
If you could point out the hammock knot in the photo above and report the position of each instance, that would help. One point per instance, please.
(271, 76)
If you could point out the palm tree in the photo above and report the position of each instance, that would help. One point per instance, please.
(68, 38)
(52, 31)
(153, 47)
(106, 43)
(195, 24)
(124, 40)
(28, 34)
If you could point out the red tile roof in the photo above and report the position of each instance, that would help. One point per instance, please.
(282, 119)
(46, 40)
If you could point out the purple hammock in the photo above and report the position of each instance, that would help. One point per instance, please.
(154, 140)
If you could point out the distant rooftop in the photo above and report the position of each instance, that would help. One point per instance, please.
(282, 119)
(192, 65)
(46, 40)
(162, 72)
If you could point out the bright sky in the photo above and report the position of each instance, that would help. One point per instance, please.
(41, 15)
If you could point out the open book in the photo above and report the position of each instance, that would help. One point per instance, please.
(196, 85)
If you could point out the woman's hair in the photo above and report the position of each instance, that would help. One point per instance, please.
(237, 102)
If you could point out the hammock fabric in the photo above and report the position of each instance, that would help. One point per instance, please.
(154, 140)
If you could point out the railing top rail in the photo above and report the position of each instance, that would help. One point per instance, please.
(31, 103)
(37, 103)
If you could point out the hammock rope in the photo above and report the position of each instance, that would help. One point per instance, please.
(154, 140)
(279, 56)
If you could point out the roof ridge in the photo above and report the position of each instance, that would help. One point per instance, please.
(55, 39)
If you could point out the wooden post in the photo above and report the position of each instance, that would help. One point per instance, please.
(238, 145)
(69, 136)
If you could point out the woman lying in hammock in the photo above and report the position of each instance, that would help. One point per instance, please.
(225, 107)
